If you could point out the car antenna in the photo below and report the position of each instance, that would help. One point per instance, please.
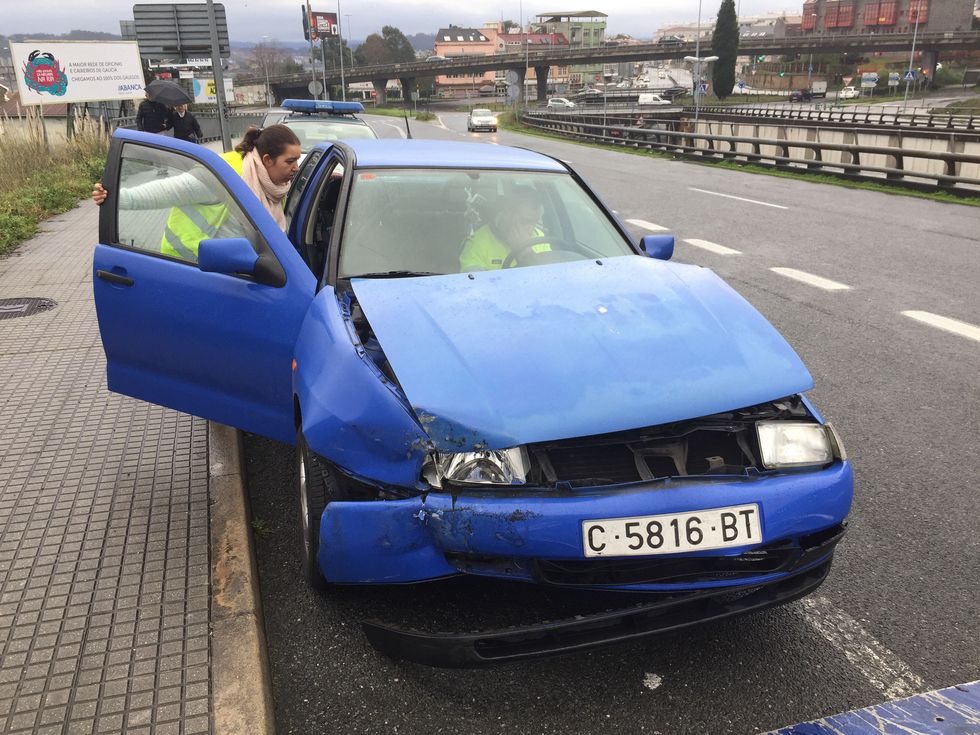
(408, 130)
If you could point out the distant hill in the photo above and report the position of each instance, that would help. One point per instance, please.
(422, 41)
(70, 36)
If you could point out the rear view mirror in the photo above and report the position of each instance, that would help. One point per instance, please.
(660, 247)
(227, 255)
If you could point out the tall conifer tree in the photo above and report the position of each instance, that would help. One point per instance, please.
(724, 45)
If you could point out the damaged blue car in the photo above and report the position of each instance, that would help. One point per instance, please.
(482, 374)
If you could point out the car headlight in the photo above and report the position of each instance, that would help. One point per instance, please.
(486, 467)
(798, 444)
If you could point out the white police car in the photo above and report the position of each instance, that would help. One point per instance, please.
(319, 121)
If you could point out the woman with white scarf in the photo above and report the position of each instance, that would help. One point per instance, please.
(267, 159)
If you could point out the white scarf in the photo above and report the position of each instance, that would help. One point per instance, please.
(257, 178)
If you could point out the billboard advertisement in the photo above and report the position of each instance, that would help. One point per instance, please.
(323, 25)
(205, 90)
(57, 72)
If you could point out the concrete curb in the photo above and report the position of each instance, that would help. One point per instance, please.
(241, 686)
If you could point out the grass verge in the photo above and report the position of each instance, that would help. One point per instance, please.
(507, 121)
(422, 115)
(38, 180)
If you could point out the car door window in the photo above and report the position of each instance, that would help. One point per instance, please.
(168, 203)
(316, 237)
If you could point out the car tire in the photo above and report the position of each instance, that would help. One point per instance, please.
(316, 485)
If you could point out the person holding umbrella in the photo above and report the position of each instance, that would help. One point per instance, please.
(152, 117)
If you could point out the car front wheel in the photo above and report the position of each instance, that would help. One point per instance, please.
(316, 486)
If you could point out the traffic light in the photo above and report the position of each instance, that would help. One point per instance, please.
(782, 73)
(760, 57)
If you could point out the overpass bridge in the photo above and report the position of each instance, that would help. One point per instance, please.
(931, 44)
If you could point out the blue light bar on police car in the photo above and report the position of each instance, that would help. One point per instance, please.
(329, 106)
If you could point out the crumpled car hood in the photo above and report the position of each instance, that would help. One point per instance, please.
(502, 358)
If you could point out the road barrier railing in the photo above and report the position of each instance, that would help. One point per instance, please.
(866, 115)
(955, 169)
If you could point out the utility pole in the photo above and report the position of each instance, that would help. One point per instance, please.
(219, 82)
(340, 32)
(915, 33)
(309, 28)
(353, 61)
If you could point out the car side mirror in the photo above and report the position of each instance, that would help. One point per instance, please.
(227, 255)
(660, 247)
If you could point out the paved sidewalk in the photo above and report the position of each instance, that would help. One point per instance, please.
(104, 521)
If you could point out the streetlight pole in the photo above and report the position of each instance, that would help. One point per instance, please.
(915, 33)
(340, 32)
(353, 63)
(265, 68)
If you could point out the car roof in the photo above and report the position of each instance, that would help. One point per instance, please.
(447, 154)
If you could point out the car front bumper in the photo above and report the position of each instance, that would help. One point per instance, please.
(538, 537)
(667, 613)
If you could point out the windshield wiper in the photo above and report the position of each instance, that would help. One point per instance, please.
(397, 274)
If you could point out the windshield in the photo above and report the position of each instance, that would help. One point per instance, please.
(410, 221)
(315, 130)
(481, 113)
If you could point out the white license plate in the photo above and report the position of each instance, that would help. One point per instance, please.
(672, 533)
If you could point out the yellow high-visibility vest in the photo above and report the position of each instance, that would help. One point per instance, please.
(484, 251)
(189, 224)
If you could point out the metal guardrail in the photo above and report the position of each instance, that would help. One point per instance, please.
(777, 153)
(849, 114)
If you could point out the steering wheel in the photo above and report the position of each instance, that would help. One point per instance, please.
(557, 245)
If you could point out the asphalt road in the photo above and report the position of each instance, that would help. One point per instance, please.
(899, 613)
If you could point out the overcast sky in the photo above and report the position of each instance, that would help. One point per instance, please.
(250, 20)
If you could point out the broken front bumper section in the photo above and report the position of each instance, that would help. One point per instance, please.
(471, 650)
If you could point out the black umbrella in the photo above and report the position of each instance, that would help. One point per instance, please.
(167, 93)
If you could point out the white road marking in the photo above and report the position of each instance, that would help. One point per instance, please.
(652, 681)
(646, 225)
(963, 329)
(401, 132)
(882, 668)
(440, 123)
(808, 278)
(713, 247)
(741, 199)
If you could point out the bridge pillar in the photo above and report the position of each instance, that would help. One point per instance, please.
(928, 63)
(521, 76)
(541, 77)
(381, 90)
(409, 85)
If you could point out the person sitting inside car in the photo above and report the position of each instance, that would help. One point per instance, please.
(513, 231)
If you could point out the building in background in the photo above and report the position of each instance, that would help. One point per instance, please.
(456, 42)
(520, 42)
(886, 16)
(583, 29)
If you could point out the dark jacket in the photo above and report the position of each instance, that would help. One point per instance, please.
(186, 127)
(152, 117)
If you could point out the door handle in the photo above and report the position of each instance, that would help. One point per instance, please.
(114, 278)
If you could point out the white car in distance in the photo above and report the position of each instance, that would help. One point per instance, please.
(849, 93)
(481, 119)
(652, 99)
(560, 103)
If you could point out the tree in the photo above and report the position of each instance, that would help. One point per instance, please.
(270, 59)
(332, 53)
(724, 45)
(401, 47)
(390, 47)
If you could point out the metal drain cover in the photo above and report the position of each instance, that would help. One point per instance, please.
(27, 306)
